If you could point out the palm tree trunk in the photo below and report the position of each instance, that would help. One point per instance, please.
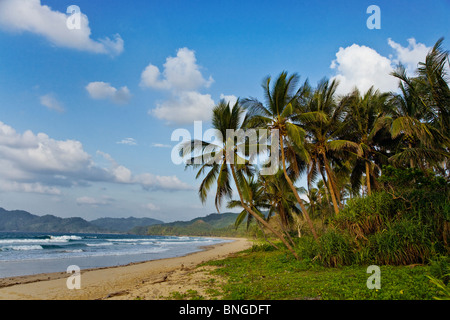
(265, 237)
(325, 180)
(299, 200)
(257, 217)
(286, 232)
(369, 191)
(330, 184)
(411, 162)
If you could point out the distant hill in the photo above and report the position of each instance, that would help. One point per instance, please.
(215, 224)
(19, 220)
(124, 224)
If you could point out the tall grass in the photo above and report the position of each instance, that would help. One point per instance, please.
(402, 242)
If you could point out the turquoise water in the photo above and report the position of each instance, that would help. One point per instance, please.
(23, 253)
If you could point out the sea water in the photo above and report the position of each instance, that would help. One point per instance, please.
(26, 253)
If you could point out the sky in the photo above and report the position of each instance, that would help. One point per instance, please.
(91, 91)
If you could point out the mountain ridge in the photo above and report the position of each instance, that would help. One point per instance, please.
(21, 220)
(214, 224)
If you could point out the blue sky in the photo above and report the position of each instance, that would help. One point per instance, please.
(86, 115)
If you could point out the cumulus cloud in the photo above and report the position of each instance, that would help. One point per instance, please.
(50, 101)
(409, 56)
(185, 107)
(31, 16)
(39, 153)
(361, 66)
(37, 163)
(180, 73)
(148, 181)
(182, 79)
(231, 99)
(100, 90)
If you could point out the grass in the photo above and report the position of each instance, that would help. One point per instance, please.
(266, 275)
(188, 295)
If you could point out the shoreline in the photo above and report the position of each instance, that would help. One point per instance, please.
(123, 281)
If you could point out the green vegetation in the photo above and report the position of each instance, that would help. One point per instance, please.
(188, 295)
(405, 222)
(261, 273)
(219, 225)
(123, 224)
(378, 179)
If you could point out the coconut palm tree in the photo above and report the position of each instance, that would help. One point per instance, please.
(277, 114)
(412, 121)
(254, 197)
(434, 81)
(281, 200)
(432, 74)
(366, 116)
(224, 162)
(324, 132)
(271, 193)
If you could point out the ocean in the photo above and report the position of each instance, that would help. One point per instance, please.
(27, 253)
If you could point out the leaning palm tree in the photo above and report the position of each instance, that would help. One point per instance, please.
(281, 200)
(224, 161)
(277, 114)
(253, 196)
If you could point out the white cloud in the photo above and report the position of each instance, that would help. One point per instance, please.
(121, 174)
(150, 181)
(182, 78)
(409, 56)
(51, 103)
(362, 67)
(151, 207)
(127, 141)
(102, 90)
(231, 99)
(185, 107)
(39, 153)
(35, 187)
(161, 145)
(180, 73)
(37, 163)
(32, 16)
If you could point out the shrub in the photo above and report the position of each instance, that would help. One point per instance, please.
(335, 249)
(402, 242)
(407, 221)
(440, 268)
(365, 215)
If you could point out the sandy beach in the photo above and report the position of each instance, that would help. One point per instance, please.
(150, 280)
